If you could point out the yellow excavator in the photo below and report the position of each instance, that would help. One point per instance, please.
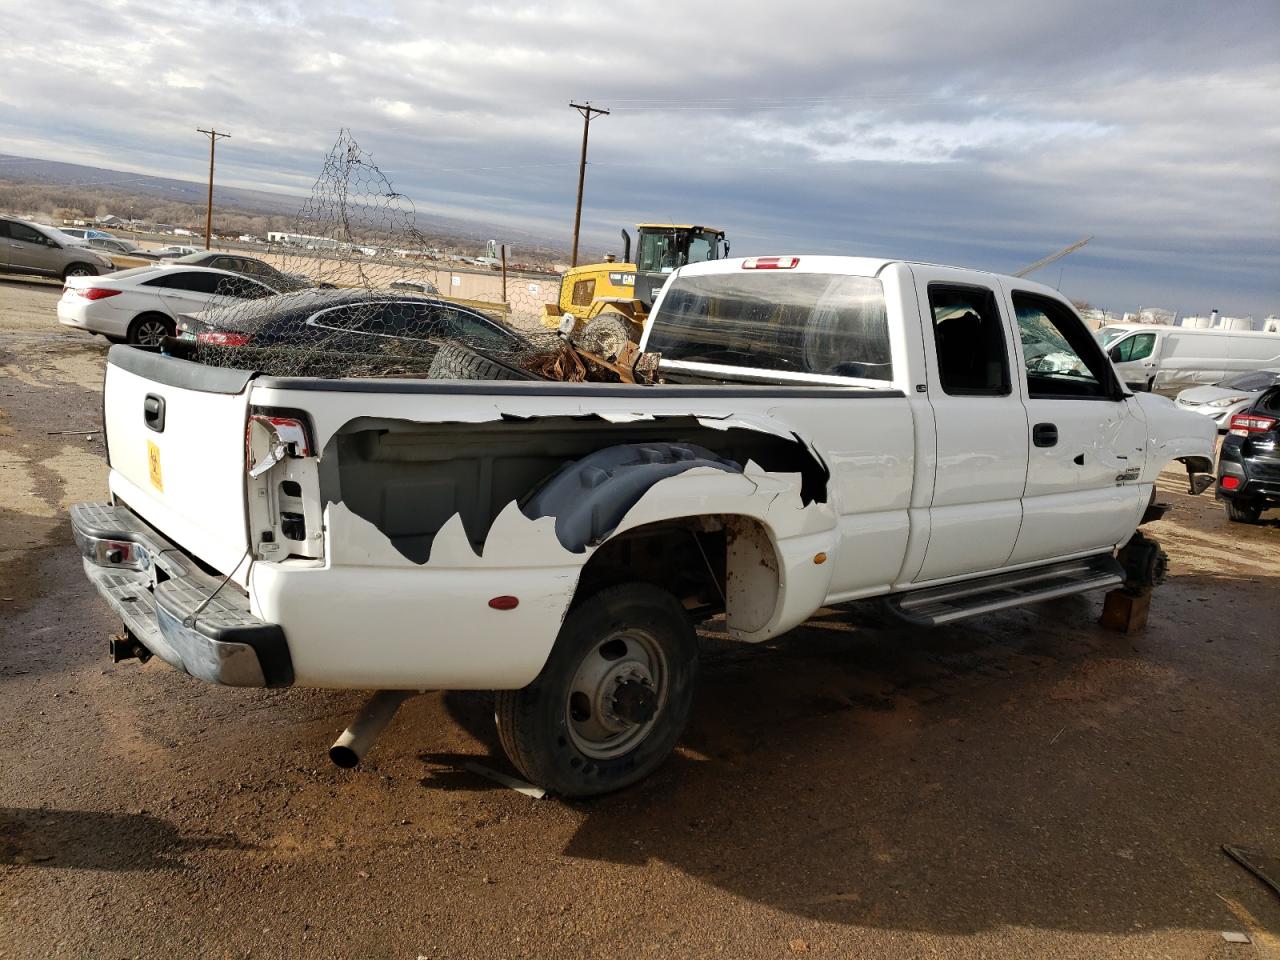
(603, 306)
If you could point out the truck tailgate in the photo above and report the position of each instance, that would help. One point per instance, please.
(176, 444)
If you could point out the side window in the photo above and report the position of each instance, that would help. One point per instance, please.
(1063, 360)
(224, 263)
(973, 359)
(4, 228)
(367, 318)
(411, 320)
(20, 231)
(478, 331)
(242, 288)
(1137, 347)
(193, 282)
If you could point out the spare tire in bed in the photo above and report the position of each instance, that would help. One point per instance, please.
(454, 361)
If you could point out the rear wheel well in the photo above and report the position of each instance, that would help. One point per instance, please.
(711, 564)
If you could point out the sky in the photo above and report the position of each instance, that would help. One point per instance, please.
(984, 134)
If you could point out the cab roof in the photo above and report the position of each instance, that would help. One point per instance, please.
(676, 226)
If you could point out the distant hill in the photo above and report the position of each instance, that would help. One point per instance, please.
(115, 187)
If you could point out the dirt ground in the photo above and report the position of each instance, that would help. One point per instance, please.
(1026, 784)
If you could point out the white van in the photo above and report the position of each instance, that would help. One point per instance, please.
(1166, 359)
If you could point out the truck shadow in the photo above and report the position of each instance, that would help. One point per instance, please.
(1028, 769)
(92, 840)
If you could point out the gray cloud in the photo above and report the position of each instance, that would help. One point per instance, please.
(986, 133)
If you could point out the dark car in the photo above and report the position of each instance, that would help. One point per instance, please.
(1249, 462)
(250, 267)
(341, 332)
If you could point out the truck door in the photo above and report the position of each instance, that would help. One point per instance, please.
(1087, 439)
(981, 425)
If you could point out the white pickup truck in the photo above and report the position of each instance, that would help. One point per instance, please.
(825, 429)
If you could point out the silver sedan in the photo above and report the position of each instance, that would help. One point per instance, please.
(1227, 397)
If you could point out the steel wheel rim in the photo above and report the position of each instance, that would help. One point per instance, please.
(151, 333)
(625, 655)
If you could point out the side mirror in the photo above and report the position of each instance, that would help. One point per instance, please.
(1114, 354)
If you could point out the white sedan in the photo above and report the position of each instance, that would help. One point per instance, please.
(141, 306)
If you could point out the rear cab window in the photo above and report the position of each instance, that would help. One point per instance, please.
(766, 325)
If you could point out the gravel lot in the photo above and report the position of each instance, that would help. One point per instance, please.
(1023, 785)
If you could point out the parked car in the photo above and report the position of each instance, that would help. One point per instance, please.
(1224, 399)
(1166, 359)
(1249, 461)
(141, 305)
(418, 286)
(81, 234)
(172, 252)
(114, 247)
(248, 267)
(30, 248)
(558, 542)
(349, 323)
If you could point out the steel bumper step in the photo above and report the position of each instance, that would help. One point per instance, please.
(933, 606)
(183, 615)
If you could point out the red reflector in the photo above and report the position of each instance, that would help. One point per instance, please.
(504, 603)
(99, 293)
(220, 339)
(770, 263)
(1230, 483)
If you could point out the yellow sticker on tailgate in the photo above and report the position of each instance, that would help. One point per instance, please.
(153, 466)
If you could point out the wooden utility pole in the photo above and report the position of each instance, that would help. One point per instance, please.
(586, 109)
(504, 274)
(214, 136)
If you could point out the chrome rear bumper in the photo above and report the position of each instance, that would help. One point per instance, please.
(164, 599)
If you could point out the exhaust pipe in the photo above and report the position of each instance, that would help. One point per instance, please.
(626, 247)
(349, 749)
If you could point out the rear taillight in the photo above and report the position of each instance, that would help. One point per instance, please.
(770, 263)
(98, 293)
(1230, 483)
(1245, 424)
(268, 440)
(219, 338)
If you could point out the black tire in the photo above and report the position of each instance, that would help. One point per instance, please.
(1243, 512)
(79, 270)
(607, 334)
(544, 727)
(453, 361)
(149, 330)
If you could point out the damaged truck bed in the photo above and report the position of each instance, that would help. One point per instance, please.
(824, 429)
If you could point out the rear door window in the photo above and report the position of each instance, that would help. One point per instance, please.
(189, 281)
(804, 323)
(968, 334)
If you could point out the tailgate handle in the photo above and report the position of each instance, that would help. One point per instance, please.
(153, 412)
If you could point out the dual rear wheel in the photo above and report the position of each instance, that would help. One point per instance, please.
(611, 700)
